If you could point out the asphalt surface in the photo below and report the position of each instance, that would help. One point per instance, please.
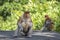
(37, 35)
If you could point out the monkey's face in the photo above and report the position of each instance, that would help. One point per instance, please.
(47, 17)
(27, 15)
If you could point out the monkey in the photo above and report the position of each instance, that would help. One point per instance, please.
(49, 25)
(25, 24)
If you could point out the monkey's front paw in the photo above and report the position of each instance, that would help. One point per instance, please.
(22, 34)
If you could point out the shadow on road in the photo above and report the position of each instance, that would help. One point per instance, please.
(34, 37)
(7, 35)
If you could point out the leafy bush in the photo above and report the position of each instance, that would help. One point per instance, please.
(11, 10)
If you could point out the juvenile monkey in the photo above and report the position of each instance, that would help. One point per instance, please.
(48, 23)
(25, 24)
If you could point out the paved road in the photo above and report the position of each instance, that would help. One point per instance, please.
(7, 35)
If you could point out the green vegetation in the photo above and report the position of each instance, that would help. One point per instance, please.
(10, 10)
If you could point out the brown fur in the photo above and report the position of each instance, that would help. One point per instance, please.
(51, 23)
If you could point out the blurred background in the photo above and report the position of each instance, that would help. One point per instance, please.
(11, 10)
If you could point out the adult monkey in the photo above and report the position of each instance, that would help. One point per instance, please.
(24, 25)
